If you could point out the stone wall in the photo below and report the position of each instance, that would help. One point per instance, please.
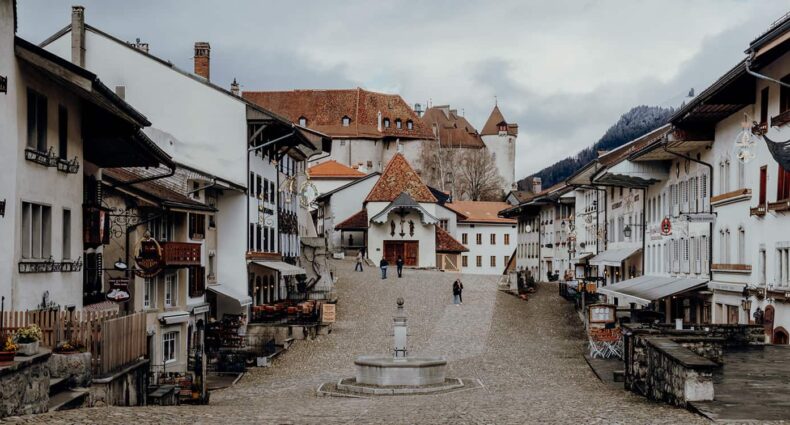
(127, 387)
(74, 368)
(24, 385)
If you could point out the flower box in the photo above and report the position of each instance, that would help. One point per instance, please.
(7, 356)
(27, 349)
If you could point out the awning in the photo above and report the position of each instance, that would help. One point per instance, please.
(285, 269)
(224, 290)
(634, 174)
(583, 256)
(645, 289)
(173, 317)
(614, 257)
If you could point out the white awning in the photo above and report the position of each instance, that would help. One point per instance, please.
(614, 257)
(583, 256)
(643, 290)
(285, 269)
(226, 291)
(173, 317)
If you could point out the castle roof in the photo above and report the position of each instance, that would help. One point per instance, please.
(324, 111)
(494, 121)
(399, 177)
(452, 129)
(333, 170)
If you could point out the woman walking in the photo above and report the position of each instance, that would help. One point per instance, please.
(358, 267)
(457, 288)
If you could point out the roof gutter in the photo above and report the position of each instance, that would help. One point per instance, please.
(761, 76)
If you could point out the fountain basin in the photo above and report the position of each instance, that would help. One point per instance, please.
(411, 371)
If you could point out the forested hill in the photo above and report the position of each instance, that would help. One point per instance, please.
(634, 123)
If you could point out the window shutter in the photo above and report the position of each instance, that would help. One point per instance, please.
(197, 281)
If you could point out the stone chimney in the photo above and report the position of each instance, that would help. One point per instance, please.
(203, 59)
(536, 185)
(234, 87)
(78, 35)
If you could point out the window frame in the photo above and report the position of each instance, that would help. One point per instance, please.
(170, 347)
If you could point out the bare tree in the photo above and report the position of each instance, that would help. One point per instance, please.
(477, 177)
(437, 165)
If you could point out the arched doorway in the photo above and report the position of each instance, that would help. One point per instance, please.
(780, 336)
(768, 321)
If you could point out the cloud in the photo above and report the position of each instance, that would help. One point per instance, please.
(564, 70)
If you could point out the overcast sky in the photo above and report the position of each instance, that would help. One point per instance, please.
(563, 70)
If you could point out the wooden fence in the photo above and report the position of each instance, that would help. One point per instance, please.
(113, 340)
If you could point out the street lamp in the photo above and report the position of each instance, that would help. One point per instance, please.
(627, 231)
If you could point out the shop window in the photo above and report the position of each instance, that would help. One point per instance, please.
(169, 346)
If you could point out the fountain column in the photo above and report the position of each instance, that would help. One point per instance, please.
(400, 332)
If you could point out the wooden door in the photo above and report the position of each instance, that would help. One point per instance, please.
(393, 249)
(411, 255)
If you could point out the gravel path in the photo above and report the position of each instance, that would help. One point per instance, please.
(528, 356)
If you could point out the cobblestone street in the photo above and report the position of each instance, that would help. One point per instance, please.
(528, 356)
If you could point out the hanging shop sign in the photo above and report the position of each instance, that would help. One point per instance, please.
(119, 290)
(666, 227)
(699, 217)
(328, 313)
(3, 84)
(148, 257)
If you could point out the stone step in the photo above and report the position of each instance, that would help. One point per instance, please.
(57, 385)
(68, 399)
(618, 375)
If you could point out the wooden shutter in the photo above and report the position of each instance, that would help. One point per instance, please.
(197, 281)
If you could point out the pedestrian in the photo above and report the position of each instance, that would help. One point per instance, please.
(460, 291)
(457, 292)
(399, 265)
(383, 266)
(358, 267)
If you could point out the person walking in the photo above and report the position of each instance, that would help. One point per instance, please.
(457, 292)
(383, 266)
(460, 290)
(399, 265)
(358, 267)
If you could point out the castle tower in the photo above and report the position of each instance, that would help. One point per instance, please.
(500, 139)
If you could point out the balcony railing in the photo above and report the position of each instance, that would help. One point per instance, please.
(758, 211)
(779, 206)
(180, 254)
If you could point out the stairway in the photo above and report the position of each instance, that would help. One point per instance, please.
(61, 397)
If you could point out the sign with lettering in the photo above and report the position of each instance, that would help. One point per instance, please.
(328, 313)
(119, 290)
(148, 257)
(699, 217)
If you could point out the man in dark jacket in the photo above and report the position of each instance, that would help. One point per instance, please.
(383, 264)
(399, 264)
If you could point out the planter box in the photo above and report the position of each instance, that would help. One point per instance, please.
(28, 348)
(7, 356)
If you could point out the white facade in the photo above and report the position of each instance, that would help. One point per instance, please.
(503, 147)
(424, 234)
(490, 246)
(372, 154)
(341, 205)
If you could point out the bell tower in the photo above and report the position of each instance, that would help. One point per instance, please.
(500, 137)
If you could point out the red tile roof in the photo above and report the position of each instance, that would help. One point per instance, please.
(399, 177)
(333, 170)
(446, 243)
(453, 130)
(480, 212)
(355, 222)
(152, 188)
(325, 109)
(494, 120)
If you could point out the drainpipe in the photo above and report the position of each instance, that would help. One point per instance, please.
(710, 202)
(761, 76)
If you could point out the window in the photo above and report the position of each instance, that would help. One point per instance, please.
(479, 238)
(66, 253)
(493, 261)
(763, 182)
(782, 257)
(171, 286)
(443, 223)
(148, 293)
(741, 245)
(464, 238)
(784, 95)
(346, 121)
(258, 238)
(507, 260)
(251, 185)
(783, 185)
(197, 226)
(169, 346)
(762, 267)
(303, 121)
(464, 261)
(251, 241)
(36, 121)
(741, 175)
(36, 231)
(507, 239)
(410, 125)
(398, 123)
(197, 278)
(764, 106)
(386, 123)
(258, 186)
(493, 239)
(479, 261)
(63, 132)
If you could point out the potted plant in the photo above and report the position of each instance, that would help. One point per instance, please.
(27, 339)
(69, 347)
(9, 350)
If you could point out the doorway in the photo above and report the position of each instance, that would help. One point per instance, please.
(409, 250)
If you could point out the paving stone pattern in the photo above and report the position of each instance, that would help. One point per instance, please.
(527, 355)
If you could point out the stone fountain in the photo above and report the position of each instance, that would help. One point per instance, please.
(399, 373)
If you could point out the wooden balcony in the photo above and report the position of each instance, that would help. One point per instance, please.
(758, 211)
(781, 119)
(780, 206)
(724, 267)
(733, 196)
(180, 254)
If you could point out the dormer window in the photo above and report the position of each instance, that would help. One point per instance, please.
(398, 124)
(386, 123)
(410, 125)
(303, 121)
(503, 127)
(346, 121)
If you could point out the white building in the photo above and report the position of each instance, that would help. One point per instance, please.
(329, 175)
(340, 217)
(491, 240)
(59, 126)
(500, 137)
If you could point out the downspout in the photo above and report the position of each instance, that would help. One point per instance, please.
(710, 203)
(761, 76)
(644, 228)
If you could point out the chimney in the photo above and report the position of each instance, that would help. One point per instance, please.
(536, 185)
(78, 35)
(378, 118)
(202, 59)
(418, 109)
(234, 87)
